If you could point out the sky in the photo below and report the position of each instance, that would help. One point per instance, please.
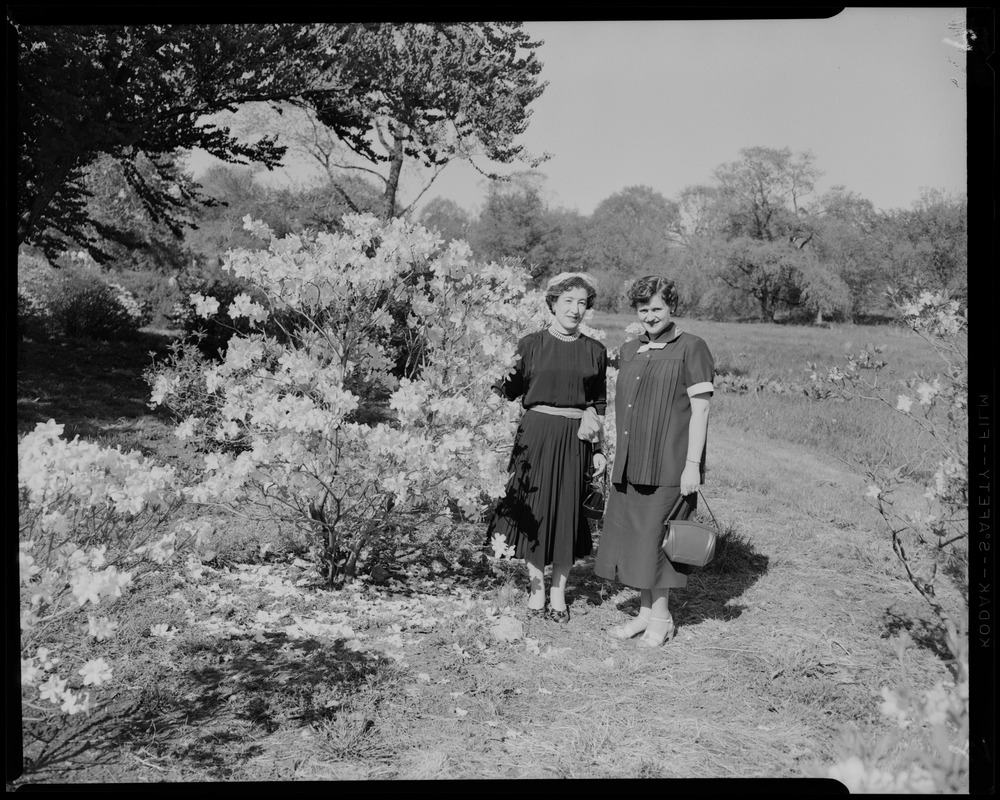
(877, 95)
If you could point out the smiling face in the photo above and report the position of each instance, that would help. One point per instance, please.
(654, 315)
(569, 308)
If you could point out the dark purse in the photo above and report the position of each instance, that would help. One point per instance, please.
(595, 495)
(687, 542)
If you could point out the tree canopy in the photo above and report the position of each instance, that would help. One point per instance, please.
(434, 93)
(630, 231)
(141, 93)
(137, 93)
(514, 223)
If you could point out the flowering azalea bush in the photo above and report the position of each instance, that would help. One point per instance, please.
(938, 405)
(90, 517)
(930, 542)
(371, 397)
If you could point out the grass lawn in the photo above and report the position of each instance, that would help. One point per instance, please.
(239, 667)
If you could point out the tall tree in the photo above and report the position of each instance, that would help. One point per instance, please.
(447, 217)
(432, 93)
(569, 233)
(764, 190)
(766, 226)
(141, 242)
(768, 271)
(931, 238)
(844, 224)
(630, 232)
(137, 93)
(514, 223)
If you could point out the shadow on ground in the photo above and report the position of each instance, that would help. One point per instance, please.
(211, 714)
(87, 385)
(928, 634)
(708, 594)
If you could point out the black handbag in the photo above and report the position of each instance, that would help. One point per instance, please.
(596, 495)
(688, 542)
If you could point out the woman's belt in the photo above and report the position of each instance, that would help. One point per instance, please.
(558, 411)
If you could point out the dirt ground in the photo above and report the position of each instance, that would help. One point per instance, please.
(434, 672)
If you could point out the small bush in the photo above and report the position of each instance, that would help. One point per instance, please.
(88, 308)
(34, 319)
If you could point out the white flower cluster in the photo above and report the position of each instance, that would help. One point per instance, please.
(934, 313)
(291, 403)
(64, 486)
(937, 405)
(66, 478)
(862, 779)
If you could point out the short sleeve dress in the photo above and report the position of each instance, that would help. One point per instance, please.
(541, 513)
(656, 381)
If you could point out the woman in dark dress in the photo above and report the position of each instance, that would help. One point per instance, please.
(661, 406)
(560, 380)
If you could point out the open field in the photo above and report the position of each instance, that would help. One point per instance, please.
(783, 644)
(779, 355)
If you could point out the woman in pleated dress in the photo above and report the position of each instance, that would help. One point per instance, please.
(662, 399)
(560, 381)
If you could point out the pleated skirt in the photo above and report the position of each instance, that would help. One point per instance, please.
(541, 514)
(632, 535)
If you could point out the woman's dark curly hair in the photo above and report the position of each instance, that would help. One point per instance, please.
(642, 291)
(573, 282)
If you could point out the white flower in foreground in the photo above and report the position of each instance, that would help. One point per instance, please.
(31, 673)
(96, 671)
(507, 629)
(851, 773)
(903, 403)
(500, 547)
(101, 629)
(891, 708)
(42, 654)
(186, 429)
(204, 307)
(873, 491)
(926, 392)
(52, 689)
(243, 306)
(27, 568)
(162, 631)
(71, 704)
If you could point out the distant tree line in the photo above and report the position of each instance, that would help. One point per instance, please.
(754, 242)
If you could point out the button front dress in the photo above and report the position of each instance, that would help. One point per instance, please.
(541, 514)
(656, 381)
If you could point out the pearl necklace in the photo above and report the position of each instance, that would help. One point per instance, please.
(565, 337)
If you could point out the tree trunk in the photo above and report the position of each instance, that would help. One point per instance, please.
(392, 182)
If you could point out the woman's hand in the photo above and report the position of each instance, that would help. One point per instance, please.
(600, 464)
(591, 426)
(690, 478)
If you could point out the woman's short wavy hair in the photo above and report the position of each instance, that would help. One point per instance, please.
(567, 281)
(644, 289)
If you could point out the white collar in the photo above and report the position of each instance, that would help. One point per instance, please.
(648, 345)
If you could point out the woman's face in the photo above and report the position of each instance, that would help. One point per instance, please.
(654, 315)
(569, 309)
